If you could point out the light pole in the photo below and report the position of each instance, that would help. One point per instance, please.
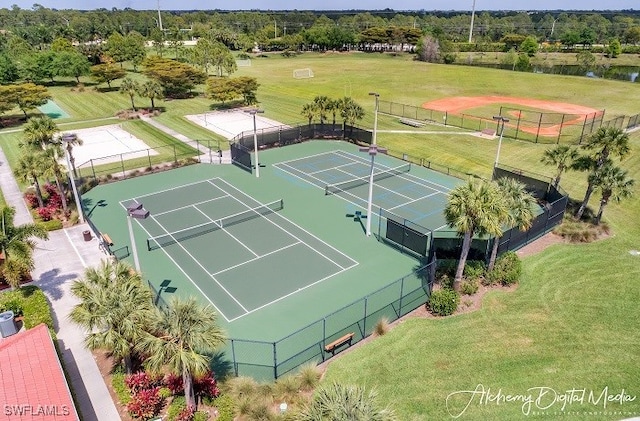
(255, 139)
(66, 139)
(502, 120)
(137, 211)
(375, 118)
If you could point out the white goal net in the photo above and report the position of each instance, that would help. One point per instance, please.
(302, 73)
(244, 62)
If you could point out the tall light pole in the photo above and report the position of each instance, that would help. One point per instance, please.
(375, 117)
(66, 139)
(372, 151)
(137, 211)
(500, 119)
(473, 15)
(255, 139)
(159, 17)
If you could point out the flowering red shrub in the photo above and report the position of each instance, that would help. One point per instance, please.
(186, 414)
(54, 199)
(146, 404)
(206, 386)
(46, 213)
(174, 384)
(140, 381)
(31, 200)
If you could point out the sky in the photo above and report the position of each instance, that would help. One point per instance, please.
(330, 4)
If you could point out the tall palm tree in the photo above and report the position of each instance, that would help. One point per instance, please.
(334, 107)
(31, 166)
(39, 131)
(130, 87)
(601, 146)
(309, 111)
(56, 170)
(340, 402)
(474, 208)
(16, 246)
(71, 140)
(350, 111)
(612, 182)
(151, 89)
(562, 157)
(321, 103)
(185, 333)
(519, 203)
(115, 307)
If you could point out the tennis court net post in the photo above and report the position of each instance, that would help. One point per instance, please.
(175, 237)
(361, 181)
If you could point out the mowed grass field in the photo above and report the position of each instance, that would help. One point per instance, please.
(571, 323)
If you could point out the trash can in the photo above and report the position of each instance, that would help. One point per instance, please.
(7, 326)
(86, 235)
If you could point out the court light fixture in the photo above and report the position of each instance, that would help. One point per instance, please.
(135, 210)
(375, 117)
(501, 120)
(255, 138)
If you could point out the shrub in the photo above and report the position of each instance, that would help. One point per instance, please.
(46, 213)
(469, 286)
(474, 270)
(140, 381)
(12, 305)
(443, 302)
(206, 386)
(175, 408)
(31, 199)
(34, 305)
(226, 408)
(145, 404)
(309, 376)
(174, 383)
(120, 387)
(52, 225)
(186, 414)
(200, 416)
(507, 269)
(381, 327)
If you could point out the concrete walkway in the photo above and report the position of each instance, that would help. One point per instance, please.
(59, 261)
(208, 155)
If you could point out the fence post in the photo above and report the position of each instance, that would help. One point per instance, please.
(275, 362)
(149, 156)
(364, 328)
(124, 175)
(233, 356)
(560, 131)
(93, 169)
(175, 155)
(401, 296)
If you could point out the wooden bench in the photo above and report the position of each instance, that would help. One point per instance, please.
(107, 240)
(331, 347)
(412, 123)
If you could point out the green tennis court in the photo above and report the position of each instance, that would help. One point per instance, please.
(260, 256)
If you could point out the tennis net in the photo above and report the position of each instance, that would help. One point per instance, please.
(164, 240)
(351, 184)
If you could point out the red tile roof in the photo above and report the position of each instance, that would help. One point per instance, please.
(32, 384)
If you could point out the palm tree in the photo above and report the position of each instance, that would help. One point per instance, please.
(71, 140)
(115, 307)
(562, 156)
(604, 143)
(186, 333)
(613, 182)
(56, 170)
(475, 208)
(321, 103)
(519, 203)
(339, 402)
(31, 166)
(334, 106)
(130, 87)
(39, 131)
(309, 111)
(16, 245)
(151, 89)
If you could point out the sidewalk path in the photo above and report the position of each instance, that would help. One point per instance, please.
(209, 155)
(58, 262)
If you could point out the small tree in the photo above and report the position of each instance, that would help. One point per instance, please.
(586, 60)
(130, 87)
(102, 73)
(563, 157)
(614, 48)
(613, 183)
(308, 111)
(429, 49)
(529, 46)
(152, 90)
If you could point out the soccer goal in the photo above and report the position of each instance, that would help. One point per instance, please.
(243, 62)
(302, 73)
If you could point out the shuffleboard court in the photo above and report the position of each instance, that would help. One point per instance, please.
(395, 190)
(261, 257)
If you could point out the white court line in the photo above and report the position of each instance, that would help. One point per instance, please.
(254, 259)
(413, 201)
(334, 168)
(294, 224)
(308, 156)
(292, 292)
(366, 177)
(228, 233)
(166, 190)
(84, 265)
(180, 269)
(413, 179)
(197, 262)
(188, 206)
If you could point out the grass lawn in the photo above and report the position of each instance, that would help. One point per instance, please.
(572, 322)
